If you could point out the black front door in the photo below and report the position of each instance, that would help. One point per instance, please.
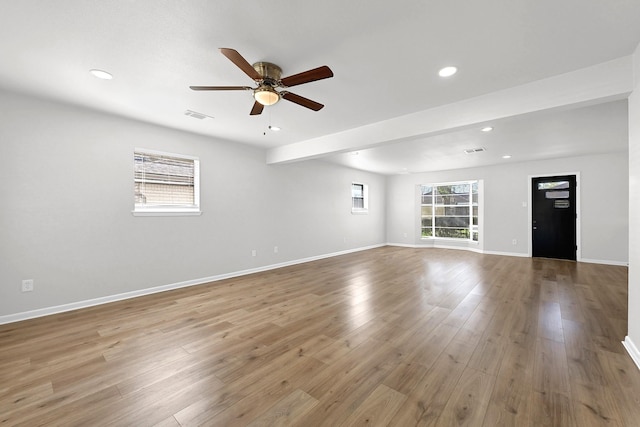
(553, 207)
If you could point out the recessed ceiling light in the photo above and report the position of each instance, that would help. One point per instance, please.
(101, 74)
(447, 71)
(487, 129)
(506, 156)
(274, 128)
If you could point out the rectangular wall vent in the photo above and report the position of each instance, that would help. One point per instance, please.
(196, 115)
(474, 150)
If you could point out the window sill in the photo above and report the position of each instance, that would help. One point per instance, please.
(167, 213)
(450, 239)
(360, 212)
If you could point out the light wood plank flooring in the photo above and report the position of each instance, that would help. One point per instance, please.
(390, 336)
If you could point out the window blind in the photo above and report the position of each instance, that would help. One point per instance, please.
(163, 180)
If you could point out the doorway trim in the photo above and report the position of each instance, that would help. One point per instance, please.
(578, 211)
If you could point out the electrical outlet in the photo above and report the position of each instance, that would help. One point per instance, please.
(275, 249)
(254, 252)
(514, 242)
(27, 285)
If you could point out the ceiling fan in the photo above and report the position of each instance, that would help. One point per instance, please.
(267, 77)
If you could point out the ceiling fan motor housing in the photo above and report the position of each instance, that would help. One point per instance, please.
(270, 73)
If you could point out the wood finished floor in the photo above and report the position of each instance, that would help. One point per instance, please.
(390, 336)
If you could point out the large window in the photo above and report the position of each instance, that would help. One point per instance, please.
(165, 183)
(450, 210)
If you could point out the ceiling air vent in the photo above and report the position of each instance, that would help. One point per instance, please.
(196, 115)
(474, 150)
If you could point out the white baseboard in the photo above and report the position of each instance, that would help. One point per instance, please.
(516, 254)
(17, 317)
(463, 248)
(632, 350)
(404, 245)
(604, 261)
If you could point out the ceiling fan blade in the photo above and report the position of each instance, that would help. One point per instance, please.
(220, 88)
(241, 63)
(300, 100)
(257, 109)
(319, 73)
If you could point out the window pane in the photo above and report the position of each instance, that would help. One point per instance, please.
(452, 221)
(426, 222)
(459, 233)
(357, 203)
(456, 210)
(453, 189)
(554, 185)
(426, 232)
(556, 195)
(357, 190)
(151, 194)
(452, 199)
(163, 180)
(426, 192)
(426, 210)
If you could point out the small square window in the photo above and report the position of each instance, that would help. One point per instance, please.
(165, 184)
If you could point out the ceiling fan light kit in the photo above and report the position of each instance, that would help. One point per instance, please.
(268, 78)
(266, 95)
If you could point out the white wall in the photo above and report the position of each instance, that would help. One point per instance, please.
(67, 195)
(66, 222)
(633, 339)
(604, 204)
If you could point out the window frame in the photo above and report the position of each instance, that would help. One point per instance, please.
(170, 210)
(365, 199)
(474, 229)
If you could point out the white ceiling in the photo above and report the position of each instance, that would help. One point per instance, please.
(385, 57)
(544, 135)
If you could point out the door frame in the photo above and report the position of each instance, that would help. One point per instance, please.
(578, 213)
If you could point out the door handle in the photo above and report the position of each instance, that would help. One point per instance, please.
(535, 228)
